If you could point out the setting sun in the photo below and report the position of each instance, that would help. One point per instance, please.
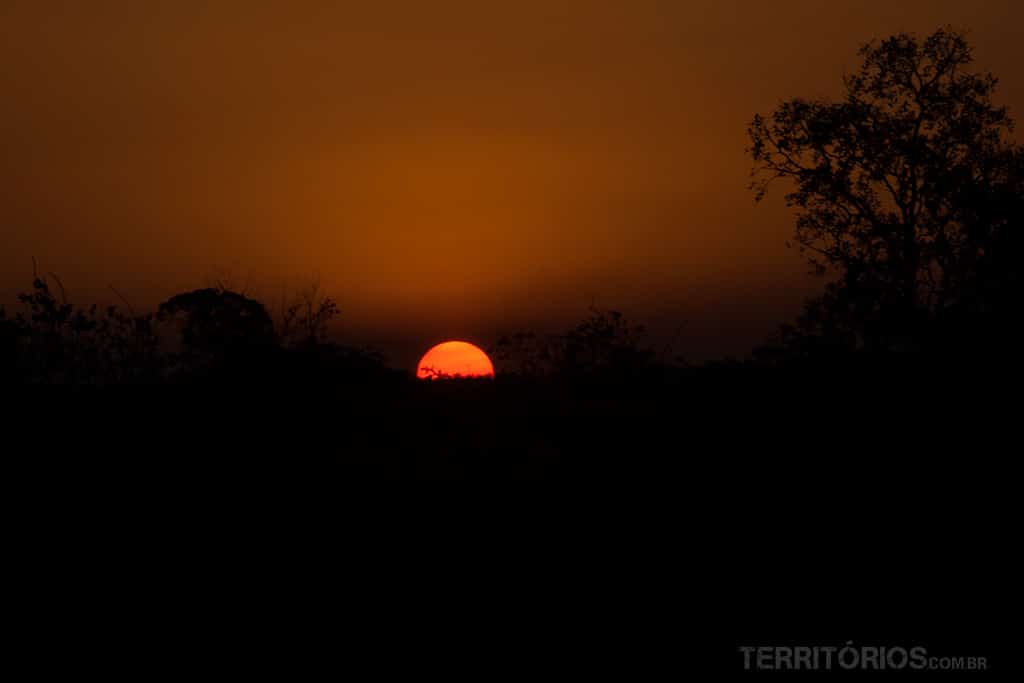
(454, 359)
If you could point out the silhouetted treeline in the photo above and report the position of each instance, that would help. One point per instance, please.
(208, 335)
(909, 192)
(910, 196)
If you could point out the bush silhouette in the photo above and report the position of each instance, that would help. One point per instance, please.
(603, 344)
(54, 341)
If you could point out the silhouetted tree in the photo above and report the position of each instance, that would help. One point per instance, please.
(907, 187)
(218, 327)
(527, 354)
(603, 344)
(306, 319)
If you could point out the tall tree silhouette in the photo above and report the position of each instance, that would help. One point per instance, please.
(904, 187)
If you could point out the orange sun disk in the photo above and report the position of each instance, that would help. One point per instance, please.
(454, 359)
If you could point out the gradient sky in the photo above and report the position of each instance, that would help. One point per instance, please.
(448, 169)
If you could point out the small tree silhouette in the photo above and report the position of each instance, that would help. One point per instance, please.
(306, 319)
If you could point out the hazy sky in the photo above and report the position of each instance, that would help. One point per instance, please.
(447, 168)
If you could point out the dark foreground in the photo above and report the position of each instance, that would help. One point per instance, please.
(680, 518)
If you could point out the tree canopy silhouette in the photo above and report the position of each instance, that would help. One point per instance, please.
(909, 188)
(218, 328)
(215, 318)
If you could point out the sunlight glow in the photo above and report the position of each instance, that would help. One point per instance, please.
(454, 359)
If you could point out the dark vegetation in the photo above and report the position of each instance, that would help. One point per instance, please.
(910, 192)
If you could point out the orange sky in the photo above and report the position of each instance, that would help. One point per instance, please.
(448, 169)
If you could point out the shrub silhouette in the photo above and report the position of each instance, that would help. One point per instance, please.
(526, 354)
(604, 343)
(55, 342)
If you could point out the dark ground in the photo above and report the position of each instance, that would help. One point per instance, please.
(636, 529)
